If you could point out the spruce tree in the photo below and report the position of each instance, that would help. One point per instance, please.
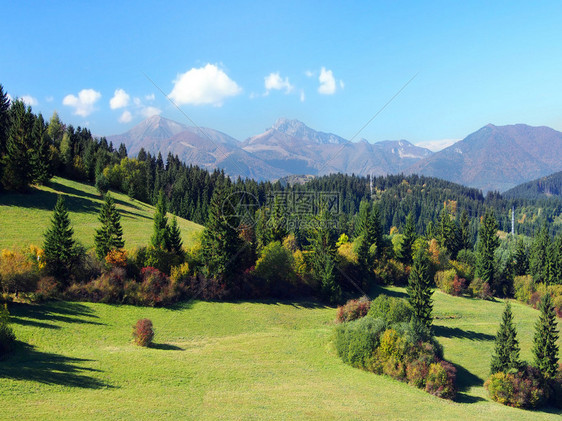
(419, 289)
(409, 238)
(4, 121)
(464, 225)
(221, 245)
(538, 260)
(521, 259)
(160, 235)
(175, 242)
(545, 348)
(40, 156)
(488, 242)
(506, 354)
(374, 231)
(59, 245)
(110, 235)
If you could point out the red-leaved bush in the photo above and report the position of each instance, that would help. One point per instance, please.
(353, 309)
(441, 380)
(524, 389)
(143, 332)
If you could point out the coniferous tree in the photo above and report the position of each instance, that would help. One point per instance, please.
(506, 355)
(161, 231)
(59, 246)
(409, 238)
(175, 242)
(4, 121)
(362, 218)
(545, 348)
(221, 245)
(375, 231)
(110, 235)
(40, 156)
(464, 225)
(488, 242)
(538, 261)
(419, 289)
(521, 259)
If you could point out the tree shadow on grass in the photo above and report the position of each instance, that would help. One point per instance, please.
(166, 347)
(465, 380)
(455, 332)
(57, 311)
(28, 364)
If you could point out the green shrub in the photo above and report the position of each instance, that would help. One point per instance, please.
(353, 309)
(275, 266)
(480, 289)
(143, 332)
(444, 280)
(524, 287)
(7, 336)
(156, 257)
(468, 257)
(417, 372)
(523, 389)
(441, 380)
(356, 341)
(390, 309)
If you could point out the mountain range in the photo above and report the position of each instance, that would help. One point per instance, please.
(492, 158)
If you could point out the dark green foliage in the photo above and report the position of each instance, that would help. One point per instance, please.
(448, 234)
(7, 336)
(464, 232)
(538, 262)
(160, 237)
(110, 235)
(419, 289)
(4, 122)
(174, 237)
(391, 309)
(41, 153)
(506, 355)
(545, 348)
(409, 238)
(356, 341)
(59, 246)
(221, 245)
(488, 242)
(521, 259)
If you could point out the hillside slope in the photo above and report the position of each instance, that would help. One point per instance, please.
(24, 218)
(548, 186)
(243, 360)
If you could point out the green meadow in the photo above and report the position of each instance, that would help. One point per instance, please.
(24, 218)
(246, 360)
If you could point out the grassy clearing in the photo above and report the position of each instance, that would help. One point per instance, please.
(235, 361)
(25, 217)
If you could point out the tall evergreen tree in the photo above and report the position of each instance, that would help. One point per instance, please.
(419, 289)
(521, 259)
(538, 261)
(160, 236)
(375, 231)
(175, 242)
(506, 355)
(4, 121)
(59, 246)
(110, 235)
(545, 348)
(221, 245)
(464, 225)
(409, 238)
(18, 170)
(488, 242)
(40, 156)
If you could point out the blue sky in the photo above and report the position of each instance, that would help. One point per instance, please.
(238, 66)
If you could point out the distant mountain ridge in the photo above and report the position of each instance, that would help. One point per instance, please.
(548, 186)
(491, 158)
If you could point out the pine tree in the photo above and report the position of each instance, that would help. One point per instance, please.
(538, 260)
(521, 259)
(464, 225)
(362, 218)
(4, 121)
(18, 170)
(506, 354)
(175, 242)
(110, 235)
(545, 348)
(161, 231)
(419, 289)
(374, 231)
(221, 245)
(40, 156)
(488, 242)
(409, 238)
(59, 246)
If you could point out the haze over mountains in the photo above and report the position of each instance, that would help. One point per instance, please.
(492, 158)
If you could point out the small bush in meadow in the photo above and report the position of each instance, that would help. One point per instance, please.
(416, 373)
(391, 309)
(7, 336)
(524, 286)
(18, 272)
(353, 309)
(440, 380)
(116, 258)
(143, 332)
(356, 341)
(522, 389)
(480, 289)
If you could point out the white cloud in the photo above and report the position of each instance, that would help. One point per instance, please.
(83, 103)
(137, 101)
(309, 73)
(120, 99)
(126, 117)
(327, 82)
(150, 111)
(436, 145)
(273, 81)
(149, 97)
(29, 100)
(50, 98)
(204, 85)
(342, 85)
(303, 97)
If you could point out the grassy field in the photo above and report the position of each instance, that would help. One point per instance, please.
(245, 360)
(25, 217)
